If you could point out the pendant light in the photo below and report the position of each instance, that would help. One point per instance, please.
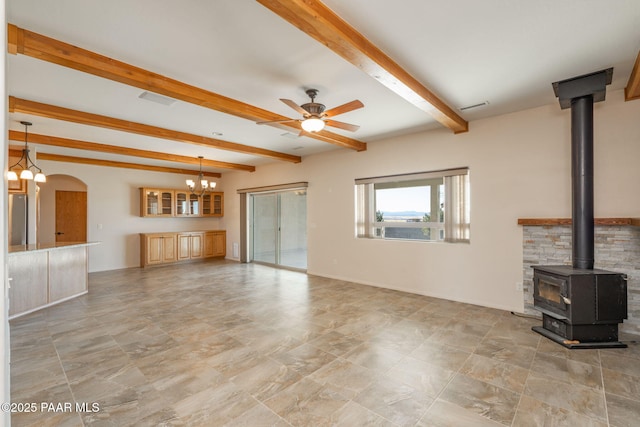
(27, 172)
(200, 185)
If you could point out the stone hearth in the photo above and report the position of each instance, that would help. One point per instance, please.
(617, 248)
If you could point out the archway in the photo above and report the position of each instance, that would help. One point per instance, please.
(46, 204)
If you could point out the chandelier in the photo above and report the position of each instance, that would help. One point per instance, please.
(200, 185)
(29, 166)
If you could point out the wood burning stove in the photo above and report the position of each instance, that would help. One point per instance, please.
(581, 307)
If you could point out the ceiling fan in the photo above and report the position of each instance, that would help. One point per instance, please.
(315, 118)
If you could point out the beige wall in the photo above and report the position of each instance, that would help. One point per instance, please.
(113, 216)
(519, 165)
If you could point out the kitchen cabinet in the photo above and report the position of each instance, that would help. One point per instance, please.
(215, 243)
(213, 204)
(190, 245)
(156, 202)
(167, 248)
(158, 248)
(165, 202)
(187, 204)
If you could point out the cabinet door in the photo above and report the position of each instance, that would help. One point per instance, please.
(166, 202)
(218, 204)
(207, 200)
(158, 248)
(182, 205)
(168, 248)
(150, 200)
(196, 245)
(184, 246)
(155, 249)
(194, 205)
(212, 204)
(209, 244)
(155, 202)
(220, 243)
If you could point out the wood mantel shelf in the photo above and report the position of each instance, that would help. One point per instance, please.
(567, 221)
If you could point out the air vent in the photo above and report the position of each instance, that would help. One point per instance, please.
(158, 99)
(469, 107)
(290, 135)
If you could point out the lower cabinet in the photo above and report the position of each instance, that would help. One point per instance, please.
(190, 245)
(166, 248)
(215, 243)
(159, 248)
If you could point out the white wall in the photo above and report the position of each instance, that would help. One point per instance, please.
(519, 167)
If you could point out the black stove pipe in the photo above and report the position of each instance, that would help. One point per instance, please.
(582, 182)
(579, 94)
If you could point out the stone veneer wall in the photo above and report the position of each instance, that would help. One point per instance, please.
(617, 248)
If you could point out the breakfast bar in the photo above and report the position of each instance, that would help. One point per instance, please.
(42, 275)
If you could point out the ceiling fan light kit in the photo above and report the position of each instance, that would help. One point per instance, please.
(312, 124)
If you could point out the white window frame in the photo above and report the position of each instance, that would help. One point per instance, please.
(456, 225)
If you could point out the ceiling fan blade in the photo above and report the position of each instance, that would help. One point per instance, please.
(295, 106)
(342, 125)
(344, 108)
(276, 121)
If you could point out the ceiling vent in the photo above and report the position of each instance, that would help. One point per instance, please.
(469, 107)
(158, 99)
(290, 135)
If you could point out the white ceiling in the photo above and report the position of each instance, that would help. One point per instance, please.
(506, 52)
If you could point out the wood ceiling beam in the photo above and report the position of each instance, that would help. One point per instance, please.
(25, 42)
(15, 152)
(632, 91)
(321, 23)
(66, 114)
(113, 164)
(125, 151)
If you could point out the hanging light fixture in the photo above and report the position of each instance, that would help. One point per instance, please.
(200, 185)
(29, 166)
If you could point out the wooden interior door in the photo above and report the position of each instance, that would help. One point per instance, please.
(71, 216)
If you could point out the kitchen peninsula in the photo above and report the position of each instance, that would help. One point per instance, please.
(46, 274)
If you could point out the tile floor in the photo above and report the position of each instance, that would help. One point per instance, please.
(220, 343)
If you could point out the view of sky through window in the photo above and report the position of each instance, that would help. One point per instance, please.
(405, 199)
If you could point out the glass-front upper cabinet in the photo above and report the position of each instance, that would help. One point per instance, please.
(156, 202)
(182, 206)
(213, 204)
(163, 202)
(194, 205)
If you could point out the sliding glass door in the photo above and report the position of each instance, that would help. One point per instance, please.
(279, 228)
(265, 227)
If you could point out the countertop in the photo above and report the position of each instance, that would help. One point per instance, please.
(47, 246)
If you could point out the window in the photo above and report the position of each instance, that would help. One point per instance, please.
(428, 206)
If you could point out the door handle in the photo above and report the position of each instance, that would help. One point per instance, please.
(59, 233)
